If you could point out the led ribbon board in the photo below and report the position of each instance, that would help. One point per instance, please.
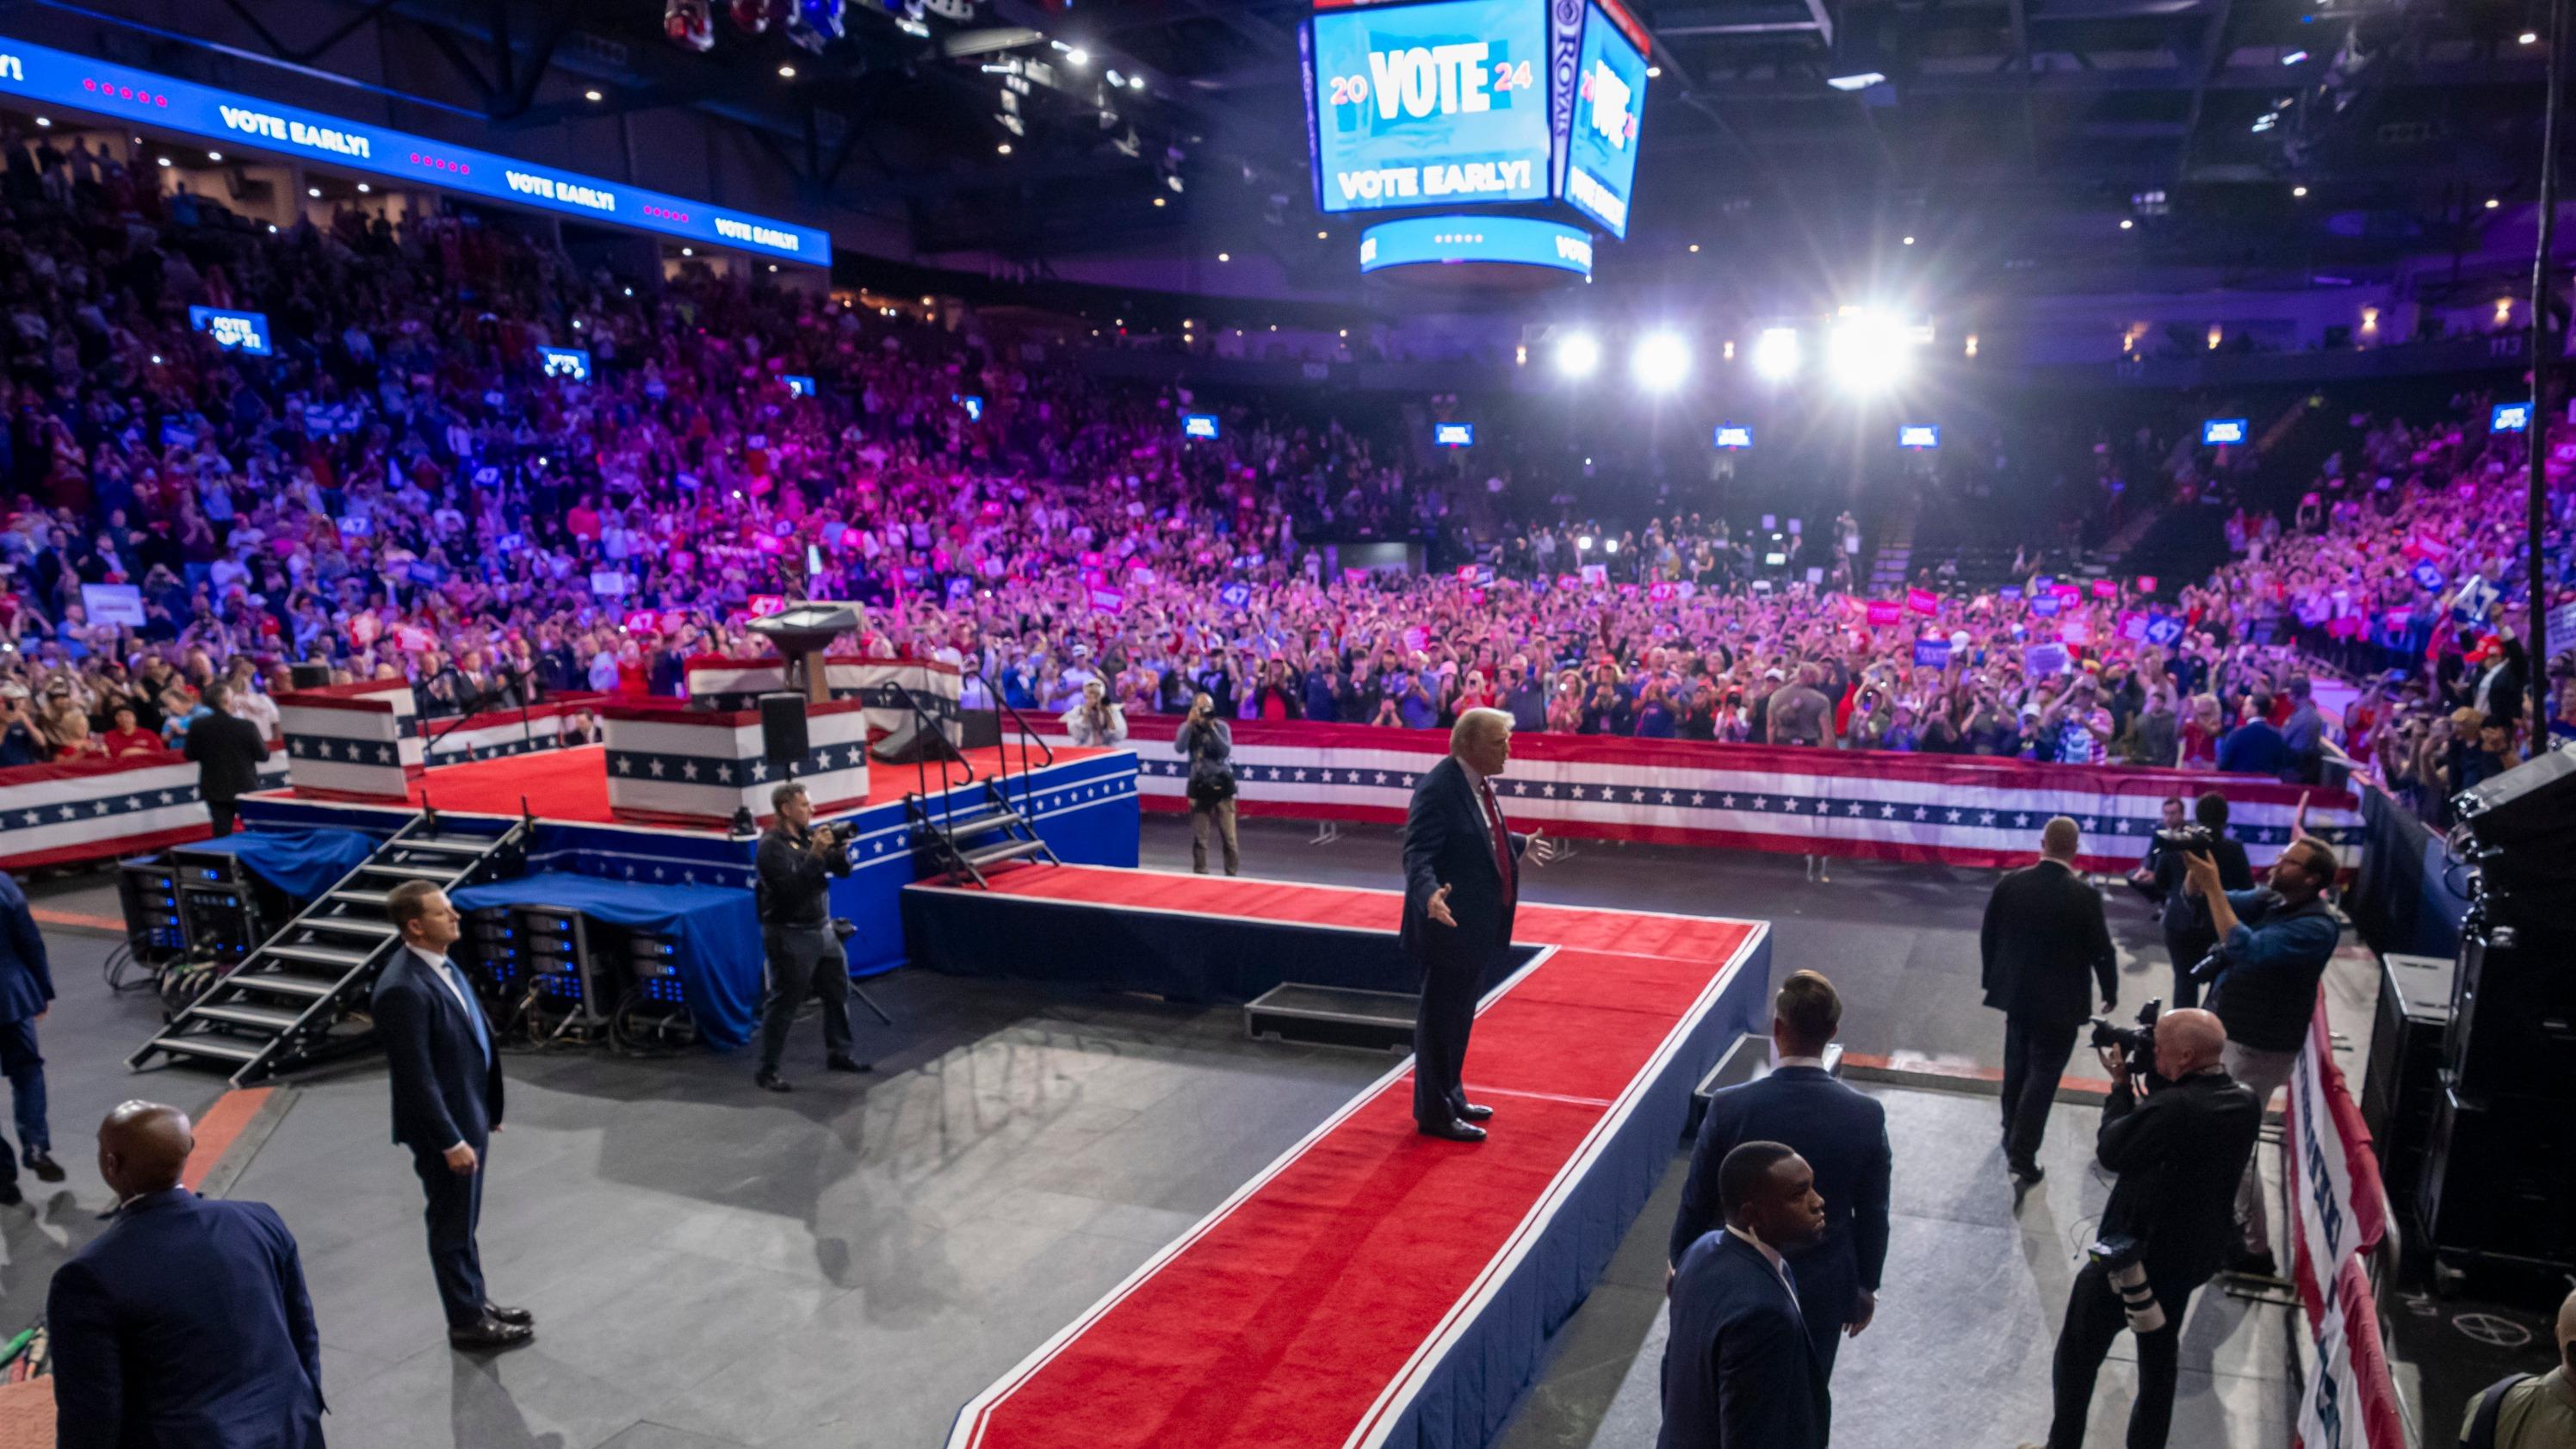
(60, 78)
(571, 362)
(1452, 240)
(2216, 432)
(1609, 101)
(2512, 417)
(1198, 425)
(1918, 435)
(1734, 435)
(1453, 435)
(1438, 104)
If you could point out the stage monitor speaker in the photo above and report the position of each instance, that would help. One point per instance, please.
(308, 676)
(2522, 825)
(2512, 1031)
(2499, 1182)
(783, 737)
(2401, 1083)
(979, 729)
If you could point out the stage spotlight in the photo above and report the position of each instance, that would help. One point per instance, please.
(1578, 355)
(1660, 362)
(1867, 352)
(1775, 353)
(1582, 544)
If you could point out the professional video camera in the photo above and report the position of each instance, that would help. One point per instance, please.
(2193, 839)
(2136, 1044)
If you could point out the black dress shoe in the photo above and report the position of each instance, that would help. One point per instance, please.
(10, 1196)
(44, 1166)
(2027, 1174)
(847, 1064)
(769, 1081)
(520, 1316)
(1453, 1130)
(1474, 1112)
(491, 1335)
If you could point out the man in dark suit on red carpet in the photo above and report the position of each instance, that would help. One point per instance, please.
(1461, 888)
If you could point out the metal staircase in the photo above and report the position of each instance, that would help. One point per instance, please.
(1005, 835)
(287, 1004)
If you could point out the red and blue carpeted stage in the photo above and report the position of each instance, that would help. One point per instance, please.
(1372, 1286)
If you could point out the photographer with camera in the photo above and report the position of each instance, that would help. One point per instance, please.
(795, 862)
(1209, 744)
(2189, 936)
(2180, 1152)
(2273, 945)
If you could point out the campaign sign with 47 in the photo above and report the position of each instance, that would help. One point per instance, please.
(1433, 104)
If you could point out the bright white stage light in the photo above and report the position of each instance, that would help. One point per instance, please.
(1859, 81)
(1660, 362)
(1868, 352)
(1583, 544)
(1775, 353)
(1578, 355)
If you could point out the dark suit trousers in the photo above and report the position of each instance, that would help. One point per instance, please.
(2094, 1321)
(1441, 1023)
(2186, 951)
(455, 1211)
(804, 961)
(221, 813)
(2035, 1057)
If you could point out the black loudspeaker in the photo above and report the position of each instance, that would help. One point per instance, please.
(2521, 830)
(979, 729)
(2512, 1031)
(2499, 1182)
(782, 729)
(309, 676)
(2401, 1084)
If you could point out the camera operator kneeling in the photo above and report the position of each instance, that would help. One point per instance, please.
(2170, 1222)
(795, 863)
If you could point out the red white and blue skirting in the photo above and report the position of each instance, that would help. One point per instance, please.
(1955, 810)
(720, 682)
(347, 746)
(96, 810)
(703, 765)
(505, 732)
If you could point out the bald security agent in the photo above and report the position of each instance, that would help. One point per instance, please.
(1841, 1133)
(1461, 888)
(1740, 1369)
(185, 1324)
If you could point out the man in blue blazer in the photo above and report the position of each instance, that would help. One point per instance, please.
(1841, 1133)
(1461, 889)
(447, 1104)
(1740, 1370)
(26, 985)
(185, 1325)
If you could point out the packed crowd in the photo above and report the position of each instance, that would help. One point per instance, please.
(401, 490)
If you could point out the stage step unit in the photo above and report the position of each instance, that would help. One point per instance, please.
(1336, 1016)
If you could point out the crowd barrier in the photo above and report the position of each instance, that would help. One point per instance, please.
(71, 813)
(2339, 1226)
(1971, 811)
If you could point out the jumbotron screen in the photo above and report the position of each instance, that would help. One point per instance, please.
(1610, 99)
(1429, 105)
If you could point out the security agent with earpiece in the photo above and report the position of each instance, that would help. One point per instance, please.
(795, 863)
(2169, 1226)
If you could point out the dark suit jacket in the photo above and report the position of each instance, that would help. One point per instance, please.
(2179, 1154)
(1843, 1136)
(227, 750)
(2043, 931)
(26, 982)
(185, 1326)
(1447, 842)
(445, 1090)
(1739, 1372)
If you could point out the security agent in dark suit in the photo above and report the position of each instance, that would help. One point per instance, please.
(227, 750)
(185, 1324)
(2043, 934)
(1740, 1369)
(2179, 1154)
(796, 863)
(1843, 1137)
(2189, 936)
(447, 1104)
(1461, 887)
(26, 990)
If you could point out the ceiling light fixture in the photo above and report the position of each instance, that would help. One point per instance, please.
(787, 72)
(1858, 82)
(592, 96)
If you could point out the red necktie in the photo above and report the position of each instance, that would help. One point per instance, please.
(1502, 843)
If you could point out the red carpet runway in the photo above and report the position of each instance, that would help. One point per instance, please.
(1311, 1309)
